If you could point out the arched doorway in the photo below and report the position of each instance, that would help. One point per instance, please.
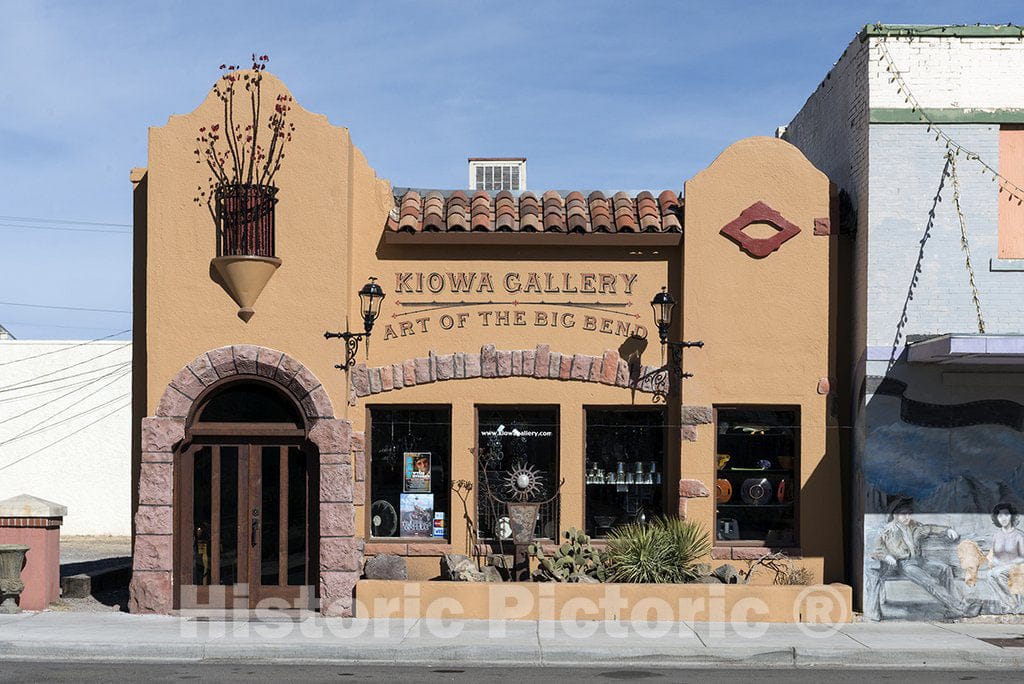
(246, 500)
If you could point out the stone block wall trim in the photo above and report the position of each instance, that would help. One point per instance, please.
(695, 415)
(751, 552)
(342, 461)
(247, 359)
(490, 362)
(692, 489)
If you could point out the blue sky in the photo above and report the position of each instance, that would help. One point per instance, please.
(611, 95)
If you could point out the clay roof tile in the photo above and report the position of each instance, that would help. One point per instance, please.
(669, 202)
(577, 223)
(433, 212)
(505, 223)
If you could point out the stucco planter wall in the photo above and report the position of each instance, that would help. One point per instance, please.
(818, 603)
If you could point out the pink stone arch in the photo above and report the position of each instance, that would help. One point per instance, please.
(490, 362)
(341, 553)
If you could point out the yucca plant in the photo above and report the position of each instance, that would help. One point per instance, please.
(665, 550)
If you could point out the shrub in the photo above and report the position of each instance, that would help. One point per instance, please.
(665, 550)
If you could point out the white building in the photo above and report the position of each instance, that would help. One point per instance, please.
(65, 430)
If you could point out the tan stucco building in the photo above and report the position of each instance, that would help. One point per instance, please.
(516, 333)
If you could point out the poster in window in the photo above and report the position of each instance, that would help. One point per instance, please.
(417, 472)
(417, 515)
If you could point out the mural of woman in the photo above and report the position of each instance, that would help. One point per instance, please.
(1006, 559)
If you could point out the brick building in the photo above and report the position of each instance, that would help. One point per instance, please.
(920, 127)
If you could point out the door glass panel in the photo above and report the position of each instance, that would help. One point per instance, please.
(296, 517)
(228, 515)
(270, 516)
(201, 508)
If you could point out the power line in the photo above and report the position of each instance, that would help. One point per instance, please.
(15, 226)
(21, 384)
(65, 308)
(63, 349)
(50, 390)
(44, 428)
(55, 325)
(69, 221)
(67, 436)
(81, 386)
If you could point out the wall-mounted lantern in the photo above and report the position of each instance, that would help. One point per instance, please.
(370, 298)
(663, 304)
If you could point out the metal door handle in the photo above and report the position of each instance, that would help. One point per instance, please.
(255, 526)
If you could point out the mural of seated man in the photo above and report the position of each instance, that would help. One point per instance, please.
(900, 554)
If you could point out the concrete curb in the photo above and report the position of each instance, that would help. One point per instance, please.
(486, 655)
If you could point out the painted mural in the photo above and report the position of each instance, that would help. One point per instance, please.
(944, 495)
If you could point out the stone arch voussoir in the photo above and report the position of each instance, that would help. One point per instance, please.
(341, 554)
(539, 363)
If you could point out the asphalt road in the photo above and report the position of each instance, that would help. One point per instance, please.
(153, 673)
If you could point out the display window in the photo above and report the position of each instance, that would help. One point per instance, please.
(758, 486)
(410, 465)
(625, 467)
(514, 442)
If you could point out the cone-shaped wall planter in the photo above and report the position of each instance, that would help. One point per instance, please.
(244, 278)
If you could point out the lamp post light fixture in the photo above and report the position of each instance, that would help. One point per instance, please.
(370, 298)
(663, 303)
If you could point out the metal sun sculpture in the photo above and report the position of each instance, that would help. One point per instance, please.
(523, 482)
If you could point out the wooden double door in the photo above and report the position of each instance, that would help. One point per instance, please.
(247, 517)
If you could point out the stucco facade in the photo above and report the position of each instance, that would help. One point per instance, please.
(482, 319)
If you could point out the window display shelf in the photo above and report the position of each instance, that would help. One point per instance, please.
(750, 472)
(746, 505)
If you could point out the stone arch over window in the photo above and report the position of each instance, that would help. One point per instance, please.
(163, 434)
(540, 363)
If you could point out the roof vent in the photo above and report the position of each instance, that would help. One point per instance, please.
(497, 173)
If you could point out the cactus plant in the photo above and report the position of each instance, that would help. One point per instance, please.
(575, 560)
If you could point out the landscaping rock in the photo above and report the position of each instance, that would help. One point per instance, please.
(456, 567)
(726, 574)
(492, 574)
(387, 566)
(585, 579)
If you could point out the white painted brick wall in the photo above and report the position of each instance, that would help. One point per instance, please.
(903, 163)
(974, 73)
(82, 464)
(905, 169)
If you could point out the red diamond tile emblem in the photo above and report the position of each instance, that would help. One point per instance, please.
(759, 212)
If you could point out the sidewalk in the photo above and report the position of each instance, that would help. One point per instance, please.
(122, 637)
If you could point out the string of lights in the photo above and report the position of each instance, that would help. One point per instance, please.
(1013, 191)
(964, 244)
